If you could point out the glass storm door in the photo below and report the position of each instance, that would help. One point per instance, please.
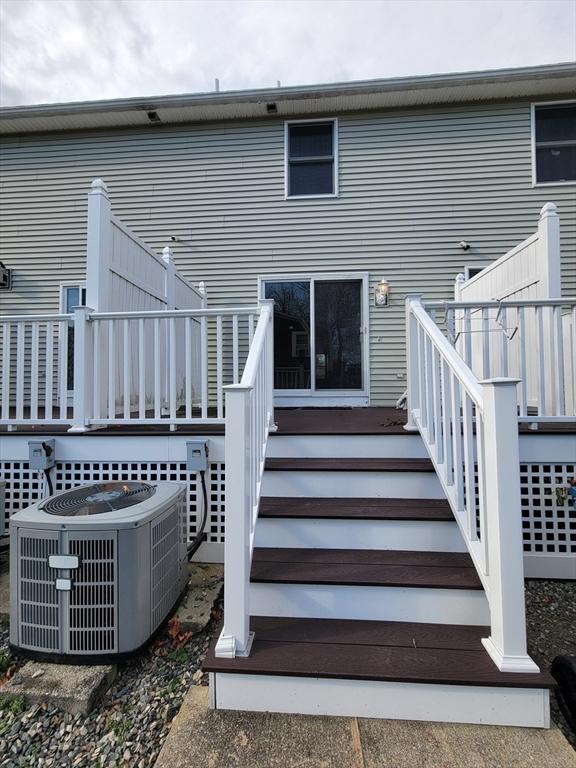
(318, 335)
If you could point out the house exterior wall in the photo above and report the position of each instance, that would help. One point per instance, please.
(412, 184)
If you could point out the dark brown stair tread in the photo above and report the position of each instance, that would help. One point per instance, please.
(360, 567)
(365, 575)
(376, 663)
(355, 508)
(349, 465)
(361, 557)
(357, 632)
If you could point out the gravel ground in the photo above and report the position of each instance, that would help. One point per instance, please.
(551, 621)
(129, 726)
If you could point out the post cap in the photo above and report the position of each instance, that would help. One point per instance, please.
(549, 209)
(99, 186)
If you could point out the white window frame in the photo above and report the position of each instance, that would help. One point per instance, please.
(62, 292)
(327, 397)
(81, 285)
(468, 267)
(335, 174)
(533, 105)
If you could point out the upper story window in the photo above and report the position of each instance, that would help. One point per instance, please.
(555, 143)
(311, 158)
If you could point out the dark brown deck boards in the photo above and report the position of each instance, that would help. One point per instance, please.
(356, 658)
(357, 632)
(370, 568)
(361, 556)
(291, 421)
(349, 465)
(355, 508)
(340, 421)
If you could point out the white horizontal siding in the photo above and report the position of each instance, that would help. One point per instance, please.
(412, 184)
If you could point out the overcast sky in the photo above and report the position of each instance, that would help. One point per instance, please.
(74, 50)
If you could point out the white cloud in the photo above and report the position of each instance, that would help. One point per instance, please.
(71, 50)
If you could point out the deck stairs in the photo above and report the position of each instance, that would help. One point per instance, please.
(363, 598)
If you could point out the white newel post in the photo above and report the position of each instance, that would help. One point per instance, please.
(507, 642)
(458, 283)
(412, 362)
(99, 247)
(549, 251)
(83, 369)
(204, 352)
(236, 639)
(170, 287)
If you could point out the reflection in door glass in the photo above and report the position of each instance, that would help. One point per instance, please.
(338, 323)
(291, 333)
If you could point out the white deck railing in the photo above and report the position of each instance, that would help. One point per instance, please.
(145, 367)
(35, 369)
(470, 430)
(533, 341)
(249, 419)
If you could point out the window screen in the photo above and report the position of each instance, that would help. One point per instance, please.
(311, 159)
(555, 143)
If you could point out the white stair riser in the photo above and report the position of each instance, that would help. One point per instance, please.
(417, 535)
(528, 707)
(407, 485)
(327, 601)
(407, 446)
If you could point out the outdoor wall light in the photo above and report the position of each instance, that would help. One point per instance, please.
(382, 293)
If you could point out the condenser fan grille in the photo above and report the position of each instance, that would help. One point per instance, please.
(98, 498)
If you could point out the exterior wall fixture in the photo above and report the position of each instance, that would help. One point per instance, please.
(5, 278)
(382, 293)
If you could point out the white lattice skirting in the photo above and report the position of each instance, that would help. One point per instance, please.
(548, 520)
(25, 487)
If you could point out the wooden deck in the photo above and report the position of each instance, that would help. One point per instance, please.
(290, 421)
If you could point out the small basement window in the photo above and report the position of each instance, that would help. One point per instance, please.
(555, 143)
(311, 159)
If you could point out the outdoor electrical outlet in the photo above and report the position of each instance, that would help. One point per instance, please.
(42, 453)
(197, 455)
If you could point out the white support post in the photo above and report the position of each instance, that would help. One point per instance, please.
(458, 283)
(507, 642)
(83, 371)
(99, 247)
(549, 251)
(412, 362)
(170, 284)
(236, 638)
(273, 427)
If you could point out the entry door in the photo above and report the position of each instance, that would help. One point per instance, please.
(319, 338)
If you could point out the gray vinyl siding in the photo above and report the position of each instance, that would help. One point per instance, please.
(412, 184)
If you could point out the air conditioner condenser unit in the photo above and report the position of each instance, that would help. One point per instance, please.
(96, 570)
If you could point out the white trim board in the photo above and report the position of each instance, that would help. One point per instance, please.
(481, 705)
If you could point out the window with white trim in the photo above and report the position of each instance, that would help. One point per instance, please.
(555, 143)
(311, 158)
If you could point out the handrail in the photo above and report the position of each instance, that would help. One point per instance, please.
(176, 313)
(251, 368)
(35, 318)
(564, 301)
(249, 419)
(452, 358)
(470, 431)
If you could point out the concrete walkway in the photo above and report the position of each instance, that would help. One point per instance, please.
(202, 738)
